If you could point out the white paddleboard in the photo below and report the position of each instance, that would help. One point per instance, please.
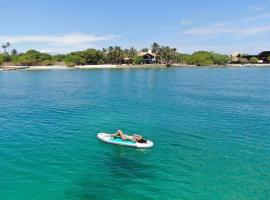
(106, 137)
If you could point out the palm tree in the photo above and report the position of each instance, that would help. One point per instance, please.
(109, 53)
(167, 55)
(144, 50)
(119, 54)
(14, 52)
(155, 47)
(104, 50)
(105, 56)
(5, 46)
(132, 52)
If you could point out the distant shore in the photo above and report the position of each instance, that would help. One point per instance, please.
(120, 66)
(83, 67)
(63, 67)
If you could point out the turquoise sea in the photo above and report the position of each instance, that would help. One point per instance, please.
(210, 126)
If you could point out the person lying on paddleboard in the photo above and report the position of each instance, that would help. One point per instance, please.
(134, 137)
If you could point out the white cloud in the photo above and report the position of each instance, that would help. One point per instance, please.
(57, 50)
(262, 16)
(168, 28)
(256, 30)
(57, 43)
(185, 22)
(229, 48)
(257, 8)
(245, 26)
(217, 29)
(244, 34)
(70, 39)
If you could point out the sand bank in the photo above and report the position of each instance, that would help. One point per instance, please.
(53, 67)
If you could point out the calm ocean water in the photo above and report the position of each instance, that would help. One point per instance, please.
(211, 129)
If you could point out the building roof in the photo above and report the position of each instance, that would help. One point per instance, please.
(144, 53)
(235, 54)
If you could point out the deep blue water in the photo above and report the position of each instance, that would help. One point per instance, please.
(210, 126)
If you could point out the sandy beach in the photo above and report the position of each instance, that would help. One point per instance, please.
(83, 67)
(86, 67)
(95, 66)
(118, 66)
(248, 65)
(53, 67)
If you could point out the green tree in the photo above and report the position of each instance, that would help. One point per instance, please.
(73, 59)
(14, 52)
(93, 57)
(254, 60)
(87, 57)
(5, 46)
(119, 54)
(204, 58)
(131, 52)
(220, 59)
(166, 55)
(47, 62)
(110, 55)
(155, 47)
(268, 59)
(178, 58)
(31, 57)
(137, 60)
(115, 55)
(144, 50)
(58, 58)
(8, 45)
(4, 58)
(183, 58)
(201, 58)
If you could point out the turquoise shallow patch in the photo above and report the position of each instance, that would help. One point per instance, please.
(122, 141)
(194, 157)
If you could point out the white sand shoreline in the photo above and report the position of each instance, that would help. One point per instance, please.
(62, 67)
(95, 66)
(248, 65)
(48, 67)
(53, 67)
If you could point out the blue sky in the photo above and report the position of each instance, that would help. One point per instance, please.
(189, 25)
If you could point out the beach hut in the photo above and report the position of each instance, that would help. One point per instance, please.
(127, 61)
(148, 57)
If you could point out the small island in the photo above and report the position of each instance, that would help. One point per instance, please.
(117, 57)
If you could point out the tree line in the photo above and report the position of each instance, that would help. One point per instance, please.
(111, 55)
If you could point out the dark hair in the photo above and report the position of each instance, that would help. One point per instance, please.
(142, 140)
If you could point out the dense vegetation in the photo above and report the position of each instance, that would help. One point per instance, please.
(268, 59)
(204, 58)
(111, 55)
(253, 60)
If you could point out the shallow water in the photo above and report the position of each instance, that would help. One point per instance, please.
(210, 128)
